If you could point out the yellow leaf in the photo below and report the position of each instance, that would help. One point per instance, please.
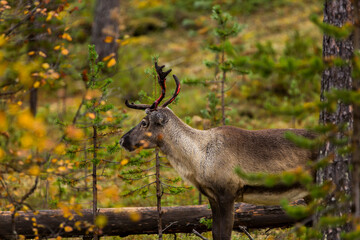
(62, 169)
(34, 171)
(57, 47)
(108, 57)
(64, 51)
(45, 65)
(77, 225)
(124, 162)
(42, 54)
(50, 15)
(91, 115)
(67, 37)
(111, 63)
(68, 229)
(125, 42)
(31, 53)
(36, 84)
(108, 39)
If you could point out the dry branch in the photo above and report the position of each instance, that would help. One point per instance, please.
(181, 219)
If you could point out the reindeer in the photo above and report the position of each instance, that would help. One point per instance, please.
(207, 158)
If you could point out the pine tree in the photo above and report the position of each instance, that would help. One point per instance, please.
(336, 13)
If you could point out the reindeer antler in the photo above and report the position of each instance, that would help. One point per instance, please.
(161, 80)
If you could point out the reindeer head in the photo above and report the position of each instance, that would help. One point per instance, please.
(149, 132)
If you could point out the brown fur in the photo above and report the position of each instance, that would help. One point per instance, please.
(208, 158)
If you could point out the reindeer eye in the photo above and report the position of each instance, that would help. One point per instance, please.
(143, 123)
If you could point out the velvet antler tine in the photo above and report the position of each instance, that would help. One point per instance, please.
(177, 91)
(136, 106)
(161, 75)
(161, 80)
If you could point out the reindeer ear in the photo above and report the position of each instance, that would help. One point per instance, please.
(158, 118)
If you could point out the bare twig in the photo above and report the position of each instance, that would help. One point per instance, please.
(168, 226)
(30, 14)
(94, 181)
(199, 235)
(223, 79)
(133, 191)
(242, 228)
(159, 193)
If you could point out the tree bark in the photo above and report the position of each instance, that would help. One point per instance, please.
(356, 116)
(106, 24)
(336, 12)
(121, 222)
(159, 194)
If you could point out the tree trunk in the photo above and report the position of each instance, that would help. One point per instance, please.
(336, 12)
(141, 220)
(106, 27)
(356, 115)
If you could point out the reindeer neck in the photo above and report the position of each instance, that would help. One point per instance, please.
(178, 136)
(182, 145)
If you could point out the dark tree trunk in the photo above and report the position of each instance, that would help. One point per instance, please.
(106, 24)
(33, 100)
(356, 114)
(336, 12)
(141, 220)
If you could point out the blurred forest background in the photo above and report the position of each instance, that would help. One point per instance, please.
(253, 64)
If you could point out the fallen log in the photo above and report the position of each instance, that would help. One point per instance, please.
(136, 220)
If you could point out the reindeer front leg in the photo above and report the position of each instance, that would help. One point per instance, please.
(223, 217)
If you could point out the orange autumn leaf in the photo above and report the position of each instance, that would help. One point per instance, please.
(111, 63)
(108, 57)
(108, 39)
(67, 37)
(91, 115)
(64, 51)
(68, 229)
(124, 162)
